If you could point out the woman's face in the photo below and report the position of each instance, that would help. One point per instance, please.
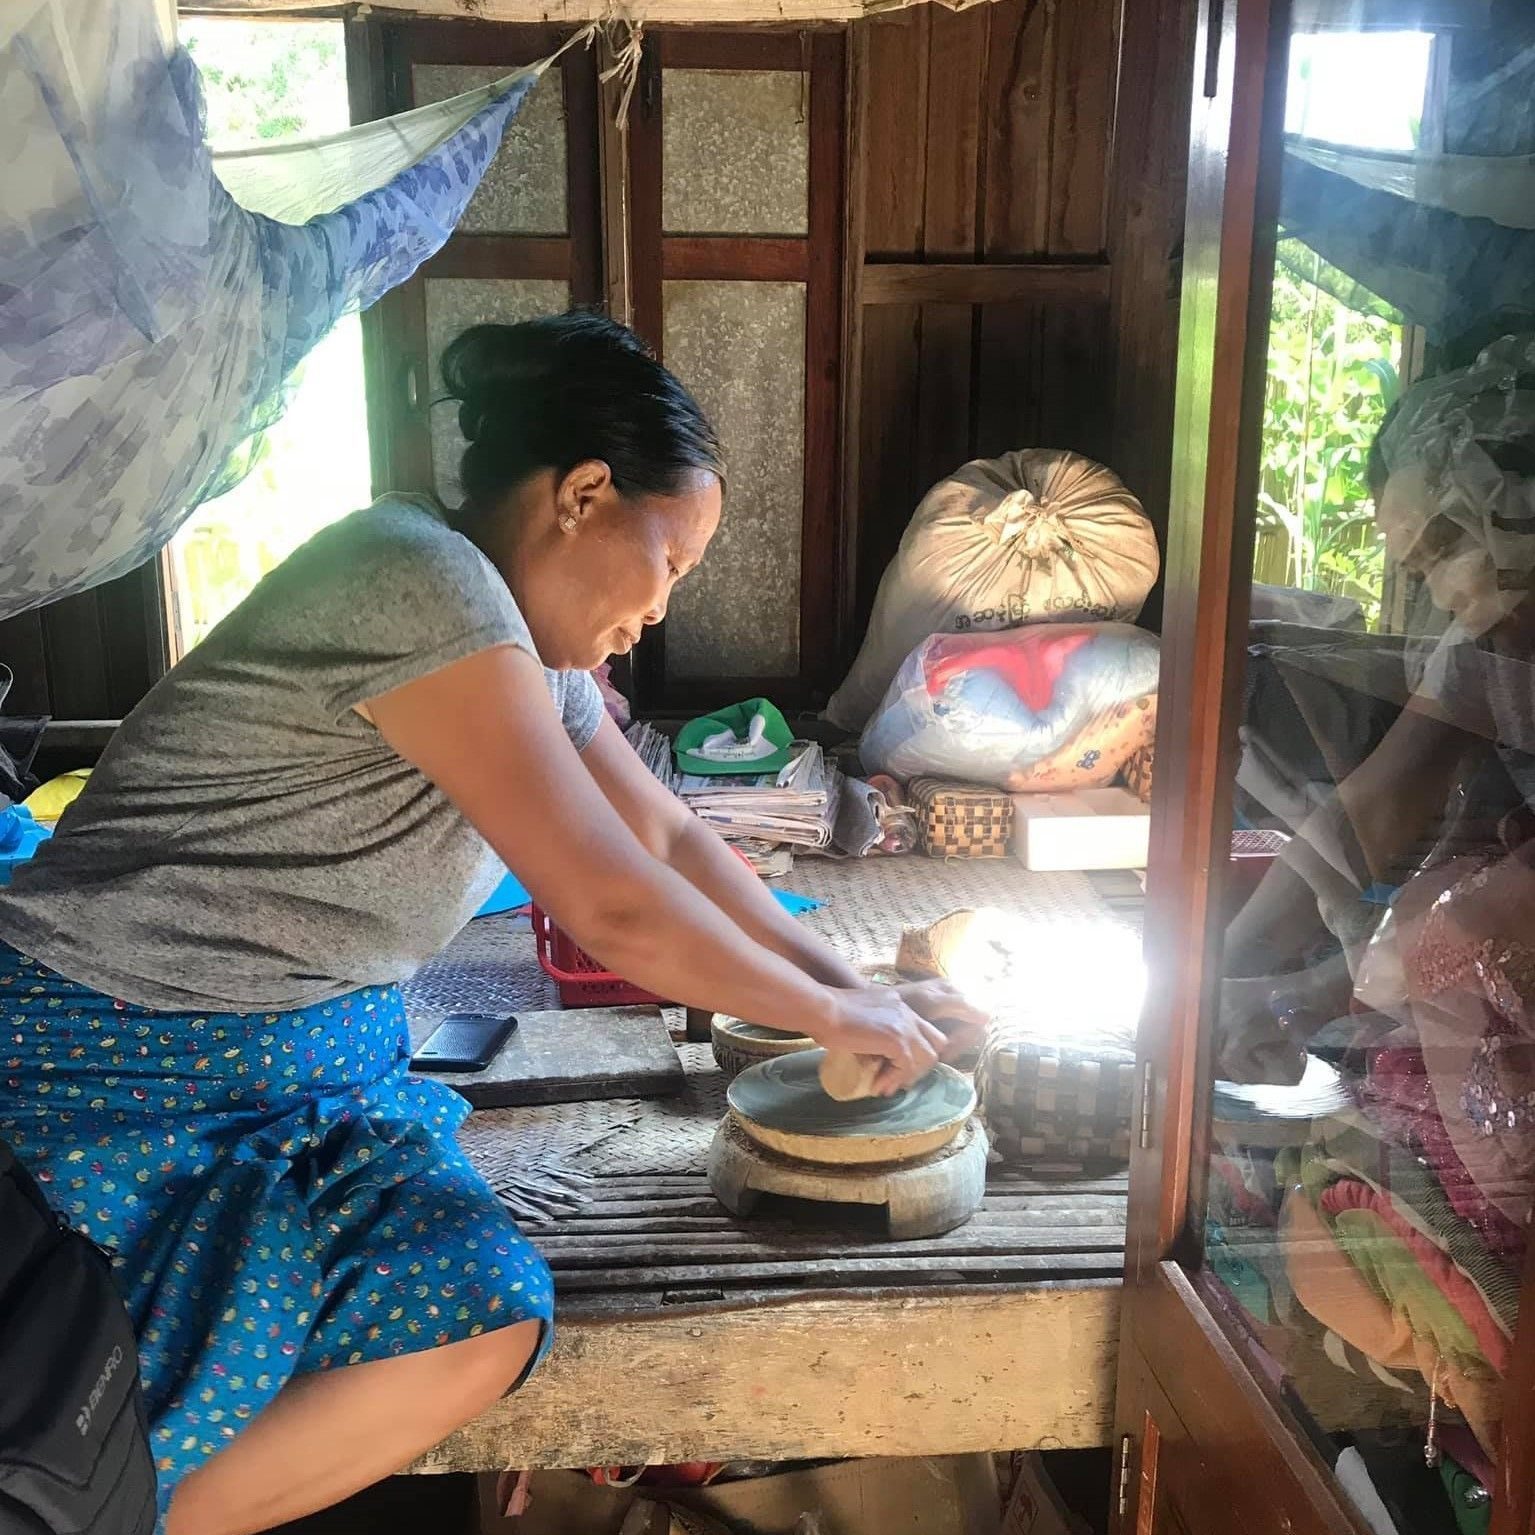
(596, 568)
(1456, 567)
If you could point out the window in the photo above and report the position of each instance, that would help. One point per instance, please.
(1338, 355)
(717, 215)
(529, 244)
(1333, 371)
(265, 82)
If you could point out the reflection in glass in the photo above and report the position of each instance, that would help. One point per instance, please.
(1373, 1123)
(740, 347)
(453, 304)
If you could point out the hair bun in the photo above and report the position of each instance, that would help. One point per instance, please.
(487, 363)
(550, 392)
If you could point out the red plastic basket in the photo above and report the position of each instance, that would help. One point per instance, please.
(1253, 853)
(581, 981)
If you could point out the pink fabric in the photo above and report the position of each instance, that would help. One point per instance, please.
(1459, 1443)
(612, 700)
(1457, 1289)
(1399, 1096)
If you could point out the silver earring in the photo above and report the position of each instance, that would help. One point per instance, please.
(568, 522)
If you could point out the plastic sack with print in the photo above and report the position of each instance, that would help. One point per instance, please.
(1045, 708)
(1037, 536)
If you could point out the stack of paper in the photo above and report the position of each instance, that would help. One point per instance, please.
(655, 751)
(768, 859)
(795, 807)
(757, 812)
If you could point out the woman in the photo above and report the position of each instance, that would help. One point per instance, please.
(205, 1058)
(1454, 478)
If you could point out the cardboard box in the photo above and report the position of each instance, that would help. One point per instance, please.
(1035, 1507)
(1086, 829)
(938, 1495)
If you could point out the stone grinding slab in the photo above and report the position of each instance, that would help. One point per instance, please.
(781, 1104)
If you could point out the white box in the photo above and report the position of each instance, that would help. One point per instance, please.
(1087, 829)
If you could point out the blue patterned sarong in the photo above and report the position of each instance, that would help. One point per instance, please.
(279, 1194)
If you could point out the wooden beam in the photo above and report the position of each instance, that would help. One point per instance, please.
(768, 49)
(735, 258)
(475, 255)
(855, 185)
(955, 154)
(613, 151)
(565, 12)
(841, 1375)
(892, 282)
(820, 639)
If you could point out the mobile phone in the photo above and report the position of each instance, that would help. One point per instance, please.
(463, 1042)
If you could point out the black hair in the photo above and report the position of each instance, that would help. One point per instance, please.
(555, 392)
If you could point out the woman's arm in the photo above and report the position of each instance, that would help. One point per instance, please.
(672, 833)
(1379, 811)
(1376, 815)
(485, 731)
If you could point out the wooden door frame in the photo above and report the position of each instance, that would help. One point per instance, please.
(1178, 1358)
(1230, 1448)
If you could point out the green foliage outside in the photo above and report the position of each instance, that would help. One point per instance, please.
(264, 82)
(1331, 377)
(268, 81)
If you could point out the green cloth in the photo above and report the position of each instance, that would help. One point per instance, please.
(732, 742)
(1395, 1275)
(1468, 1498)
(1351, 1151)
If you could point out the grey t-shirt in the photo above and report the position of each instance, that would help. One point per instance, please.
(249, 842)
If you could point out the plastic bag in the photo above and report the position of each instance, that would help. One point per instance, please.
(1046, 708)
(1037, 536)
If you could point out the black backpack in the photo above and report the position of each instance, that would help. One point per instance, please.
(74, 1444)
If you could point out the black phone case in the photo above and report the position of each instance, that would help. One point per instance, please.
(463, 1043)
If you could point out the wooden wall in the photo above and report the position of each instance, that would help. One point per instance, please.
(1017, 200)
(1013, 237)
(91, 656)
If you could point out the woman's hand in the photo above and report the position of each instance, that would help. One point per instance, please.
(902, 1026)
(940, 1002)
(1254, 1041)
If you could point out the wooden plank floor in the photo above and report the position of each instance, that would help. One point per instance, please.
(663, 1241)
(685, 1333)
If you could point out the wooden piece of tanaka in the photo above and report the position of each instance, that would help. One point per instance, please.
(827, 1376)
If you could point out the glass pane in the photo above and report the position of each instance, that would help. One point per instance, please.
(740, 347)
(1373, 1131)
(452, 305)
(735, 152)
(523, 192)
